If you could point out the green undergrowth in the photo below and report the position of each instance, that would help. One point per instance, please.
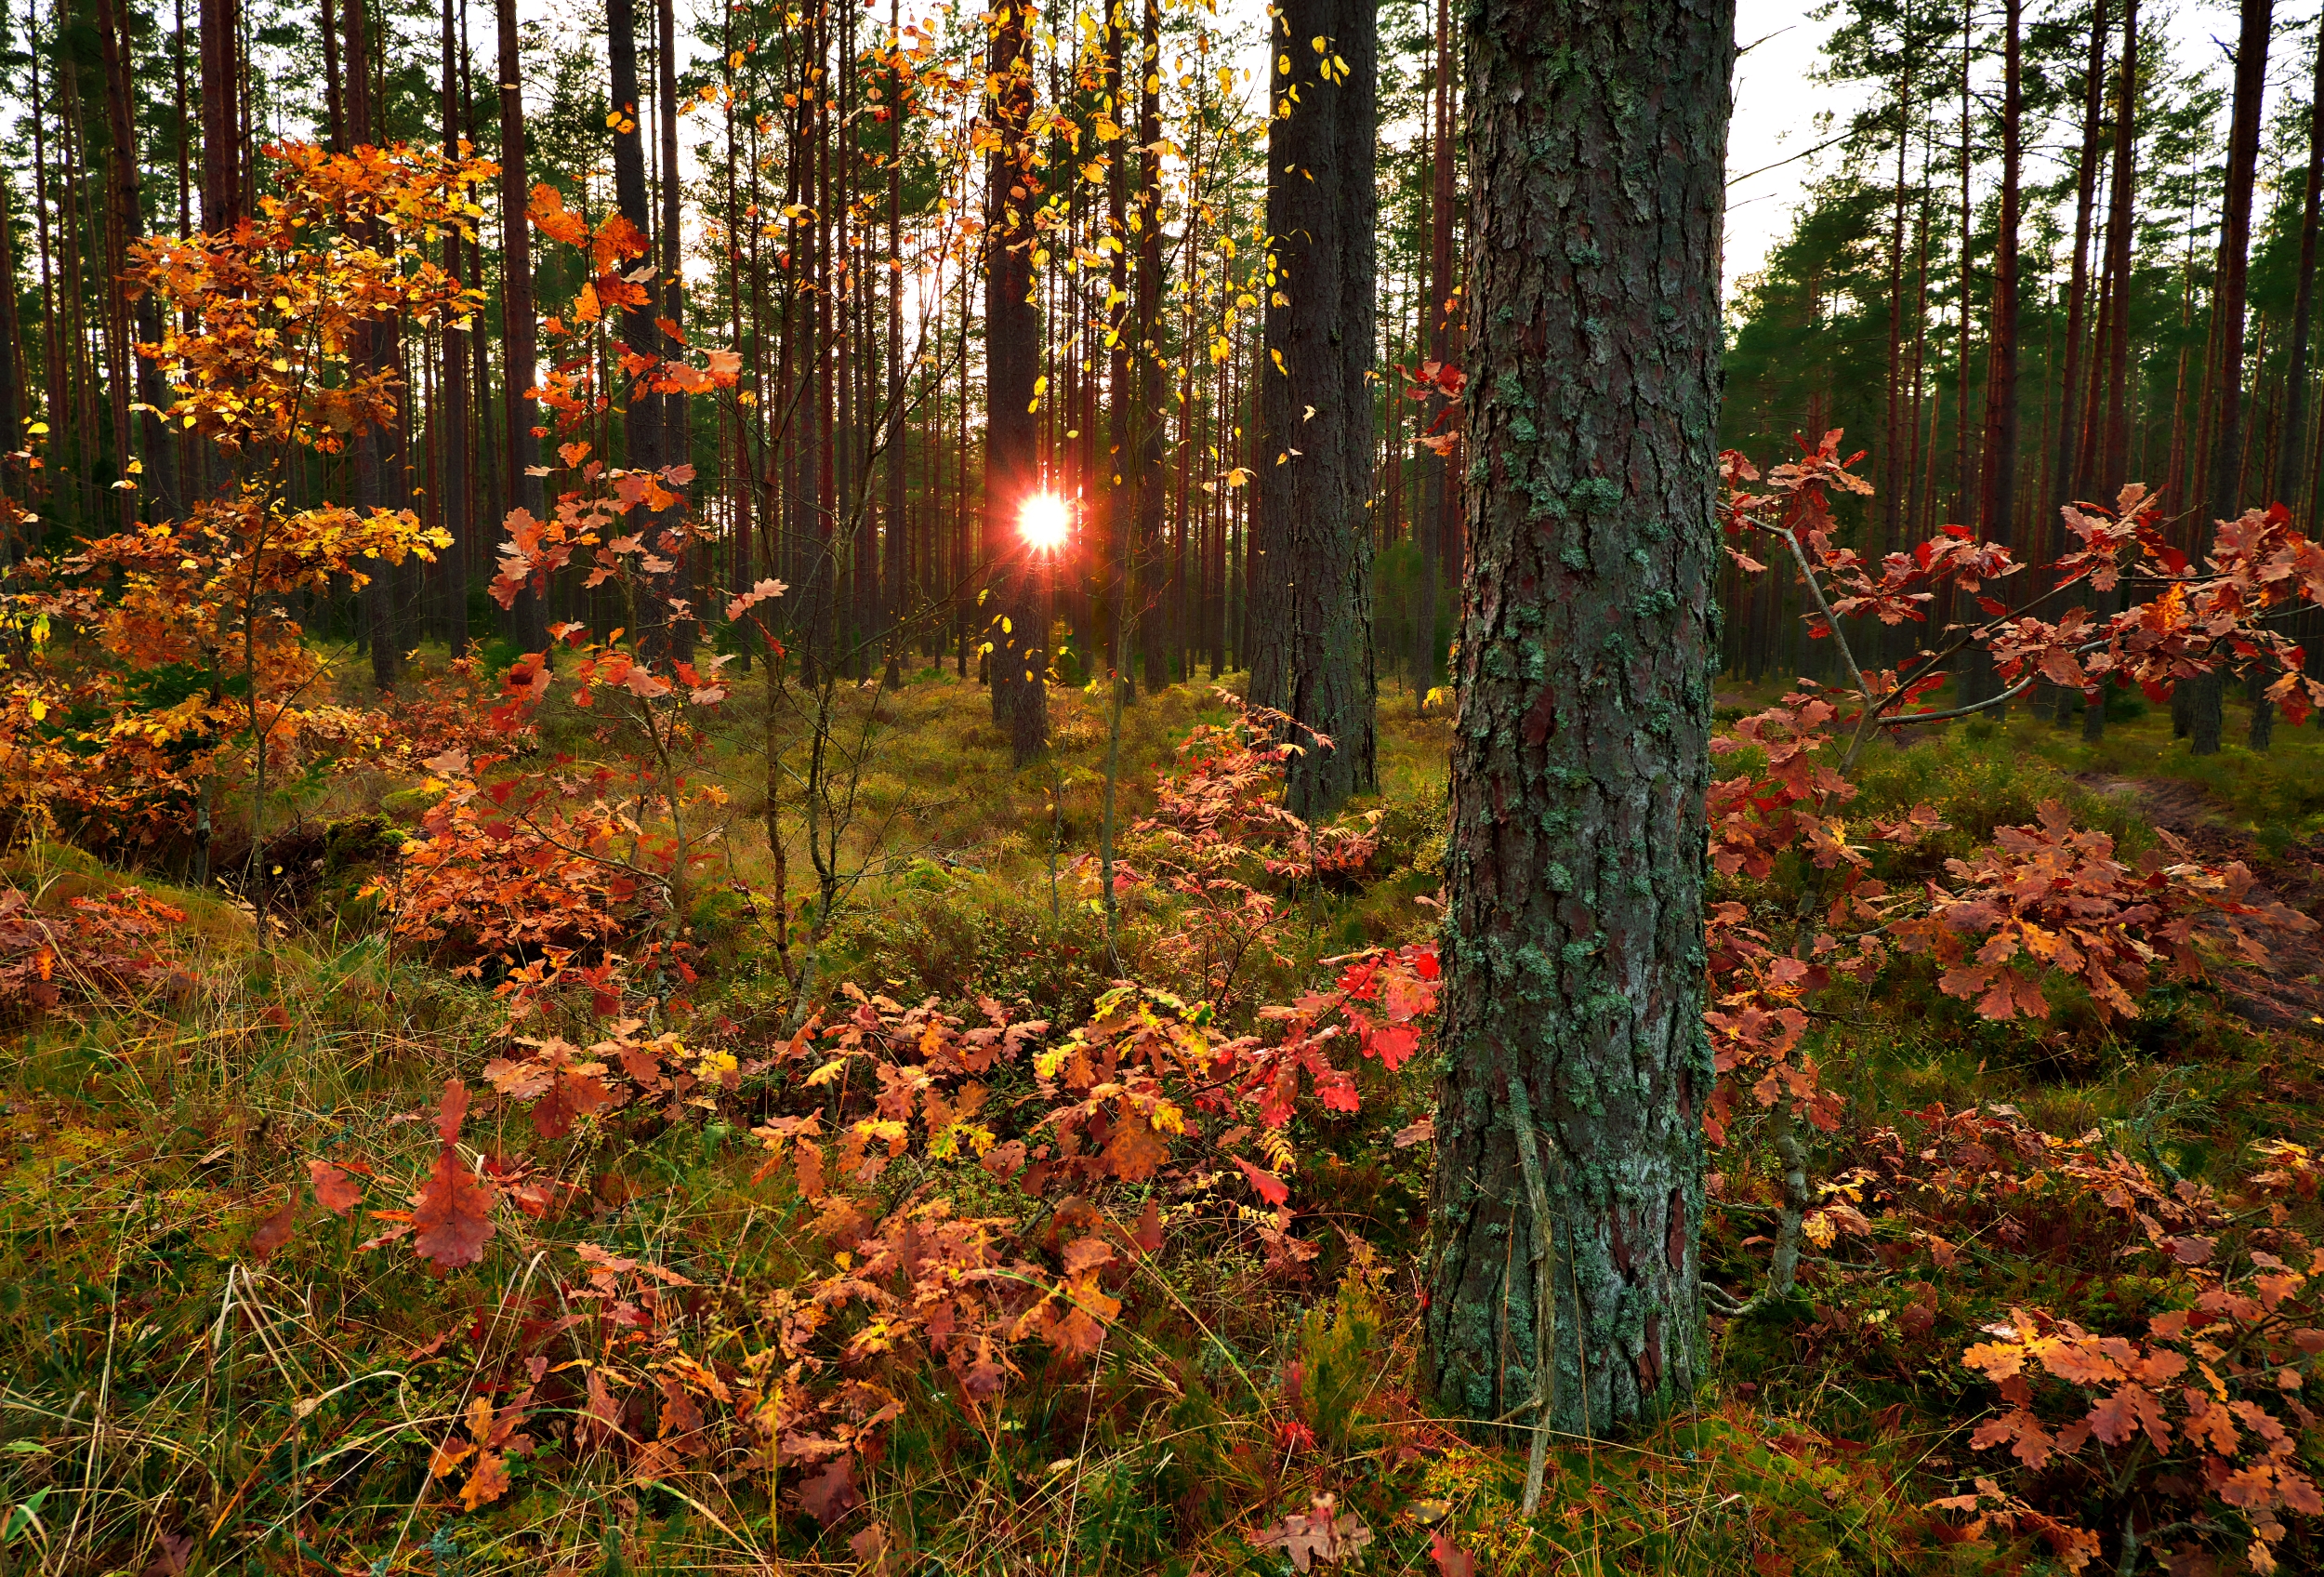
(180, 1394)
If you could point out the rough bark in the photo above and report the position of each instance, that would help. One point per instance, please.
(1574, 940)
(1312, 594)
(1012, 359)
(2226, 470)
(221, 151)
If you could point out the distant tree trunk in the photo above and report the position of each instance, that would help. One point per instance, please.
(1574, 940)
(642, 415)
(1119, 549)
(2291, 453)
(221, 149)
(1155, 614)
(12, 409)
(1893, 440)
(2114, 468)
(1013, 361)
(1965, 453)
(1311, 599)
(160, 482)
(892, 608)
(677, 435)
(520, 336)
(334, 103)
(2065, 486)
(1998, 512)
(2227, 304)
(369, 350)
(1436, 315)
(453, 420)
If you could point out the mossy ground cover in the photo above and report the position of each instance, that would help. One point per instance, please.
(179, 1392)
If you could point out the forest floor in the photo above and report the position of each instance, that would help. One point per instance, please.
(204, 1368)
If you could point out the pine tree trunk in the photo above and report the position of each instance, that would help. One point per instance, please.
(1117, 574)
(221, 161)
(2289, 459)
(2114, 470)
(2226, 470)
(1153, 379)
(677, 445)
(12, 408)
(641, 413)
(892, 606)
(1998, 512)
(1312, 594)
(452, 421)
(2065, 486)
(1012, 359)
(1892, 440)
(519, 332)
(2293, 450)
(369, 350)
(1574, 940)
(1436, 313)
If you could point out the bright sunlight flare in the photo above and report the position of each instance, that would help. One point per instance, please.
(1043, 520)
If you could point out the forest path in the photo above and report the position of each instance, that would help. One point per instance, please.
(2286, 992)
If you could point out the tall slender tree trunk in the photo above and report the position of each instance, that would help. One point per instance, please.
(1893, 440)
(1012, 359)
(2113, 471)
(676, 445)
(1964, 452)
(1433, 526)
(153, 446)
(1118, 555)
(2226, 470)
(1311, 626)
(1998, 512)
(641, 415)
(520, 336)
(893, 606)
(370, 351)
(2065, 483)
(1574, 941)
(221, 148)
(1154, 613)
(12, 409)
(2296, 369)
(334, 101)
(453, 420)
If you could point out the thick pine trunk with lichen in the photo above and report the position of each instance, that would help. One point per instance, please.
(1311, 583)
(1574, 939)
